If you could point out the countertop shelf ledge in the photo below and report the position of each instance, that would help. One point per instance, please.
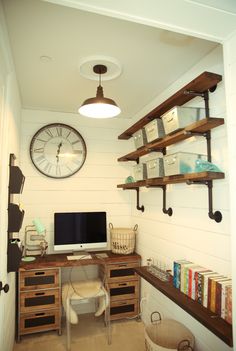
(210, 320)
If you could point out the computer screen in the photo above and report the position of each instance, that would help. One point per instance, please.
(74, 231)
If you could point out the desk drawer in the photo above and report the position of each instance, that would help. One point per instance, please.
(39, 321)
(122, 271)
(123, 309)
(124, 290)
(39, 279)
(39, 300)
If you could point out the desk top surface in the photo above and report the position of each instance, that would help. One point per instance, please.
(60, 260)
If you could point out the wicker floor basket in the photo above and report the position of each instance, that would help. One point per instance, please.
(123, 239)
(167, 335)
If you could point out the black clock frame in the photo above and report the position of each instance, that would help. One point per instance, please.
(51, 125)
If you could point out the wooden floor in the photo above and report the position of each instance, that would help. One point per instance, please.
(88, 335)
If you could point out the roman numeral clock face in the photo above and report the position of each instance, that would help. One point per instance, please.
(58, 150)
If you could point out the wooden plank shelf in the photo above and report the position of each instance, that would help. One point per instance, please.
(211, 321)
(201, 126)
(185, 178)
(180, 178)
(200, 84)
(134, 185)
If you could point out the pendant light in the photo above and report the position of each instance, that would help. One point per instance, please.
(99, 106)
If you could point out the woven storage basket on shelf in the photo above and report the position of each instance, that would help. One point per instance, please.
(123, 239)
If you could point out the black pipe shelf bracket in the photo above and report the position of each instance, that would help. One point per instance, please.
(217, 216)
(165, 210)
(138, 207)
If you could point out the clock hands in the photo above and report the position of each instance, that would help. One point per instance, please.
(58, 151)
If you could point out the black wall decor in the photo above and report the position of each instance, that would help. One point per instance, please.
(17, 179)
(15, 216)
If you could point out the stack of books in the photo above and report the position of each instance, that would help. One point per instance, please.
(209, 288)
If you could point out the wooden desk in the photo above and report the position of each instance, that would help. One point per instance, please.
(39, 288)
(60, 260)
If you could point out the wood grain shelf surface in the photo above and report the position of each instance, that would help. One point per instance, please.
(180, 178)
(200, 84)
(134, 185)
(210, 320)
(60, 260)
(201, 126)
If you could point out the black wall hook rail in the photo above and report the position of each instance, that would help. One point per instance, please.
(217, 216)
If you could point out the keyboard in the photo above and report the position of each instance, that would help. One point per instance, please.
(79, 257)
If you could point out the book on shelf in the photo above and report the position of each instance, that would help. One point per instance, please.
(211, 298)
(200, 285)
(192, 279)
(205, 286)
(184, 275)
(186, 281)
(219, 294)
(177, 272)
(228, 304)
(223, 297)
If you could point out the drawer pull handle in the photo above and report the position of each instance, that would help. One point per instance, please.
(122, 284)
(39, 293)
(122, 265)
(39, 314)
(39, 273)
(123, 303)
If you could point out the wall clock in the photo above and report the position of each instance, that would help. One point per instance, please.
(58, 150)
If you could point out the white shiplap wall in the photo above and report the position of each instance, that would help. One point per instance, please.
(93, 188)
(10, 113)
(230, 73)
(189, 233)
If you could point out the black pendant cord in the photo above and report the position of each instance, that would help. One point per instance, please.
(99, 79)
(100, 69)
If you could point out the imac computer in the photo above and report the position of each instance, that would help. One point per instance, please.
(77, 231)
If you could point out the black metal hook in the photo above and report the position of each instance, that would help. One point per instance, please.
(5, 287)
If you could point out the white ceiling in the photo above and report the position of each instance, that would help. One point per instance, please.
(151, 58)
(228, 6)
